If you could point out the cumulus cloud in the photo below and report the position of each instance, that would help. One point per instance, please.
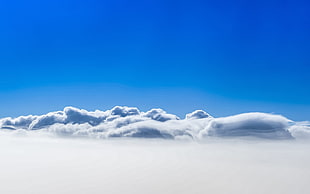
(122, 121)
(300, 130)
(197, 114)
(249, 124)
(160, 115)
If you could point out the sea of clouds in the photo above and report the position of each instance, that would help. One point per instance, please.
(130, 122)
(220, 155)
(35, 165)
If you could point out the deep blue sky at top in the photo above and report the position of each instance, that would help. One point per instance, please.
(223, 56)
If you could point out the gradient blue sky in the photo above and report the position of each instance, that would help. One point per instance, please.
(225, 57)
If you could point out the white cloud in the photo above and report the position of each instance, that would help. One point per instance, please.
(198, 114)
(160, 115)
(19, 122)
(249, 124)
(301, 130)
(156, 123)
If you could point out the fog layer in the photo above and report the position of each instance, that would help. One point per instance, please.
(33, 165)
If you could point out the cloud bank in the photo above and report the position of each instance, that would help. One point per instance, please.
(123, 121)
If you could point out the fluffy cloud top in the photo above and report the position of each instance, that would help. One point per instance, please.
(197, 114)
(301, 130)
(249, 124)
(156, 123)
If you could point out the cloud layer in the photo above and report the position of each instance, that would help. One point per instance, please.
(122, 121)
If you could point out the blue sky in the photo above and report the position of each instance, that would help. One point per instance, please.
(225, 57)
